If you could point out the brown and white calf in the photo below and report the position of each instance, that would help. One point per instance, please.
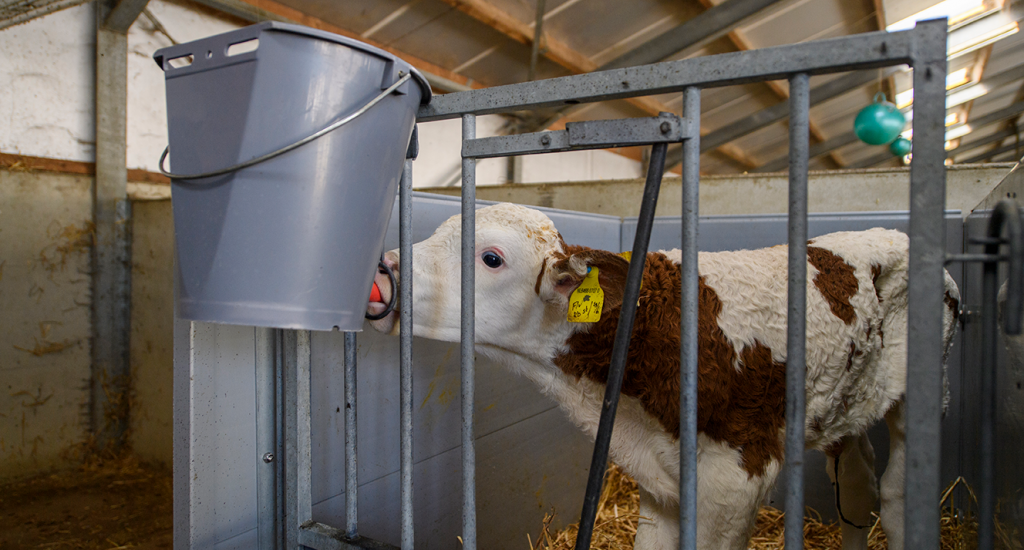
(856, 359)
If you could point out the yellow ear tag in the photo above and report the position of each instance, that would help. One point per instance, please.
(586, 301)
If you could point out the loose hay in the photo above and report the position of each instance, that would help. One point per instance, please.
(103, 504)
(619, 507)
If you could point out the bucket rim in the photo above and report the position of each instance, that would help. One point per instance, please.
(170, 52)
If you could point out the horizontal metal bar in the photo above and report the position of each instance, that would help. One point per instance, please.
(324, 537)
(517, 144)
(986, 240)
(862, 51)
(578, 136)
(984, 258)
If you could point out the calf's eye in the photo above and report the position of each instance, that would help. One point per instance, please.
(492, 260)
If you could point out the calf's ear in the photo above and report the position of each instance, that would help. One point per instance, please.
(566, 271)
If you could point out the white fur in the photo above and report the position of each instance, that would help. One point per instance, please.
(524, 327)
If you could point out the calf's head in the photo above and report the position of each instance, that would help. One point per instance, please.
(524, 273)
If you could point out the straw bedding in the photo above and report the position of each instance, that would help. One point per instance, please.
(618, 515)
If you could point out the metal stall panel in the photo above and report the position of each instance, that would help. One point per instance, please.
(1009, 383)
(532, 458)
(760, 231)
(215, 453)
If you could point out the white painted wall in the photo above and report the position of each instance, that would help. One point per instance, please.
(47, 78)
(46, 101)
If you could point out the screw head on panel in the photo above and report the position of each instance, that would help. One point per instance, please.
(665, 127)
(268, 457)
(545, 140)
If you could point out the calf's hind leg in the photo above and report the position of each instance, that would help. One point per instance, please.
(893, 478)
(856, 488)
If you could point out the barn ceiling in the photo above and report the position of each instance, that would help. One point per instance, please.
(462, 44)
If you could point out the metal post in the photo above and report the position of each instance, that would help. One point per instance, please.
(268, 451)
(351, 468)
(1005, 214)
(796, 371)
(925, 299)
(467, 338)
(297, 499)
(111, 251)
(688, 327)
(620, 347)
(405, 320)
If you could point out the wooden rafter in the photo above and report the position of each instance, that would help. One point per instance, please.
(563, 55)
(740, 41)
(292, 14)
(499, 20)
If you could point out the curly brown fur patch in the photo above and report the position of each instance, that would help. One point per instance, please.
(743, 407)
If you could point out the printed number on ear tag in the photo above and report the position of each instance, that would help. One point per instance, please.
(586, 301)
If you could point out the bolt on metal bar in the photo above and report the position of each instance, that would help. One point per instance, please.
(925, 294)
(467, 337)
(351, 469)
(796, 345)
(688, 328)
(579, 136)
(620, 347)
(405, 333)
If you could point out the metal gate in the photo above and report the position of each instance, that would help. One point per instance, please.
(284, 488)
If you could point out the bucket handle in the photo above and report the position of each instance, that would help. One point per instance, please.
(286, 148)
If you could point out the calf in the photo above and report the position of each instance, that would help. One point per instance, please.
(856, 359)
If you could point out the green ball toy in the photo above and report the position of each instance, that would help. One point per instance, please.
(879, 123)
(901, 147)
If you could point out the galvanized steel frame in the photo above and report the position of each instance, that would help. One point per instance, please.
(923, 48)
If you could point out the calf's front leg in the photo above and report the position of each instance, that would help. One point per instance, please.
(658, 527)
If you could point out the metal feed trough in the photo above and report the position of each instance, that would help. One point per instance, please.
(283, 356)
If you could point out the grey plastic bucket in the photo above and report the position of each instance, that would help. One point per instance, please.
(294, 241)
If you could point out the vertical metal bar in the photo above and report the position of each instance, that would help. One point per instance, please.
(796, 371)
(304, 451)
(266, 439)
(405, 320)
(688, 326)
(925, 295)
(467, 348)
(296, 465)
(351, 468)
(538, 35)
(279, 436)
(1005, 214)
(620, 347)
(986, 487)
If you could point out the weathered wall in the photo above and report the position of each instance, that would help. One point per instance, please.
(834, 191)
(47, 78)
(152, 325)
(45, 236)
(45, 326)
